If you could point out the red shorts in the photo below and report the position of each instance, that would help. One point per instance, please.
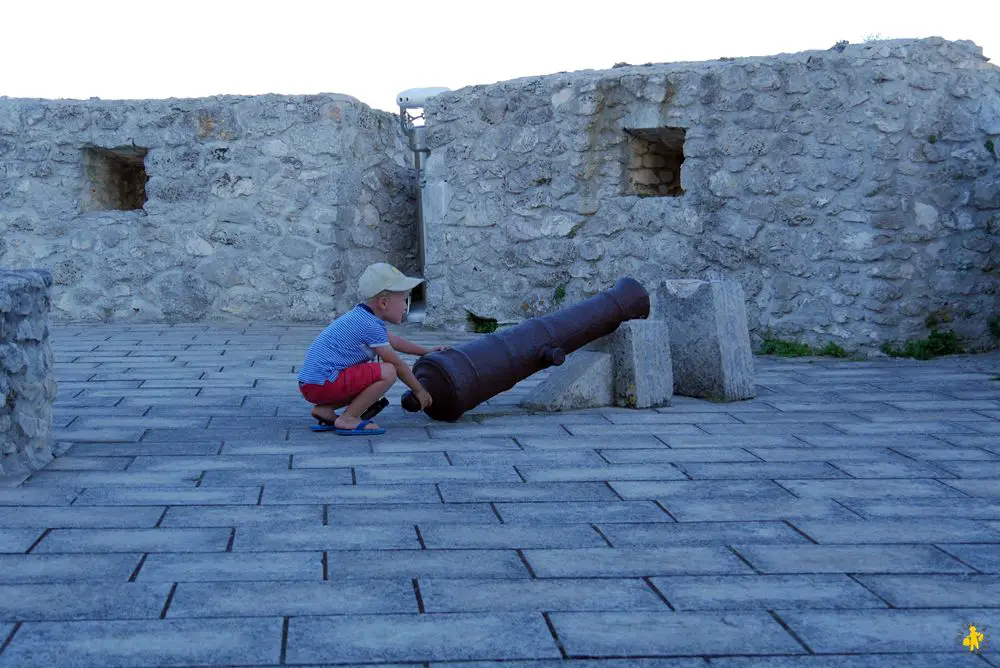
(350, 382)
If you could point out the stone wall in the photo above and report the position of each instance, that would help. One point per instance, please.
(221, 208)
(27, 380)
(853, 192)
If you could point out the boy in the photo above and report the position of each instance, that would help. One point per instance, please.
(339, 369)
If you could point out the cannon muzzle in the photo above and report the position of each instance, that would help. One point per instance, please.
(461, 378)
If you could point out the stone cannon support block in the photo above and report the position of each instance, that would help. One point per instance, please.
(641, 355)
(27, 378)
(640, 351)
(709, 338)
(585, 380)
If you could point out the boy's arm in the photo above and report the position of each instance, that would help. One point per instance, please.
(404, 346)
(403, 371)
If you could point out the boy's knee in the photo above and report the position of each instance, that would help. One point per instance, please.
(388, 372)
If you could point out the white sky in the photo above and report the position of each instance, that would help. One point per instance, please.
(375, 49)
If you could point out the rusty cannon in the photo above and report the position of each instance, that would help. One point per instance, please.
(461, 378)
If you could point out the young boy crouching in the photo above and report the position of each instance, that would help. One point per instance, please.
(340, 368)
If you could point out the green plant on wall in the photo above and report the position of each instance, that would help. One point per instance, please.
(559, 295)
(994, 324)
(935, 345)
(482, 325)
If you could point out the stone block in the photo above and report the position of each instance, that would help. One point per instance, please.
(709, 338)
(27, 377)
(585, 380)
(643, 372)
(641, 361)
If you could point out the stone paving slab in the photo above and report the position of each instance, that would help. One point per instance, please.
(633, 562)
(913, 488)
(678, 455)
(74, 463)
(80, 479)
(511, 536)
(952, 659)
(751, 509)
(701, 533)
(540, 474)
(339, 460)
(161, 642)
(538, 595)
(371, 537)
(759, 470)
(229, 516)
(211, 463)
(951, 508)
(581, 511)
(423, 443)
(850, 559)
(168, 496)
(225, 566)
(82, 600)
(98, 541)
(416, 637)
(864, 631)
(761, 592)
(23, 496)
(25, 568)
(700, 489)
(291, 494)
(458, 492)
(366, 564)
(984, 558)
(411, 513)
(905, 530)
(94, 450)
(292, 598)
(935, 591)
(604, 442)
(18, 540)
(81, 516)
(597, 634)
(976, 487)
(581, 663)
(520, 458)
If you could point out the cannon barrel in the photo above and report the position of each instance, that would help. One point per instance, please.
(461, 378)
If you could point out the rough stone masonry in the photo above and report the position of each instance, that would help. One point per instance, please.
(27, 378)
(241, 208)
(854, 193)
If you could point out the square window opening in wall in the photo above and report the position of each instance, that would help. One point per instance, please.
(655, 156)
(116, 178)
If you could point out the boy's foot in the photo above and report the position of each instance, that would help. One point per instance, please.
(375, 409)
(343, 423)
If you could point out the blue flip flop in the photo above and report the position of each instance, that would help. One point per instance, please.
(360, 430)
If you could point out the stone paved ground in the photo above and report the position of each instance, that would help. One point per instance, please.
(849, 517)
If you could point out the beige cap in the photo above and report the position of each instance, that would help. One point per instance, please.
(383, 276)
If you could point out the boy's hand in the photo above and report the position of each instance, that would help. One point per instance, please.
(437, 349)
(424, 397)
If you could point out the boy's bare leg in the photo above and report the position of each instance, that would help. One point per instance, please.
(350, 418)
(325, 412)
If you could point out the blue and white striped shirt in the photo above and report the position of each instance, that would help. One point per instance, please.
(346, 341)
